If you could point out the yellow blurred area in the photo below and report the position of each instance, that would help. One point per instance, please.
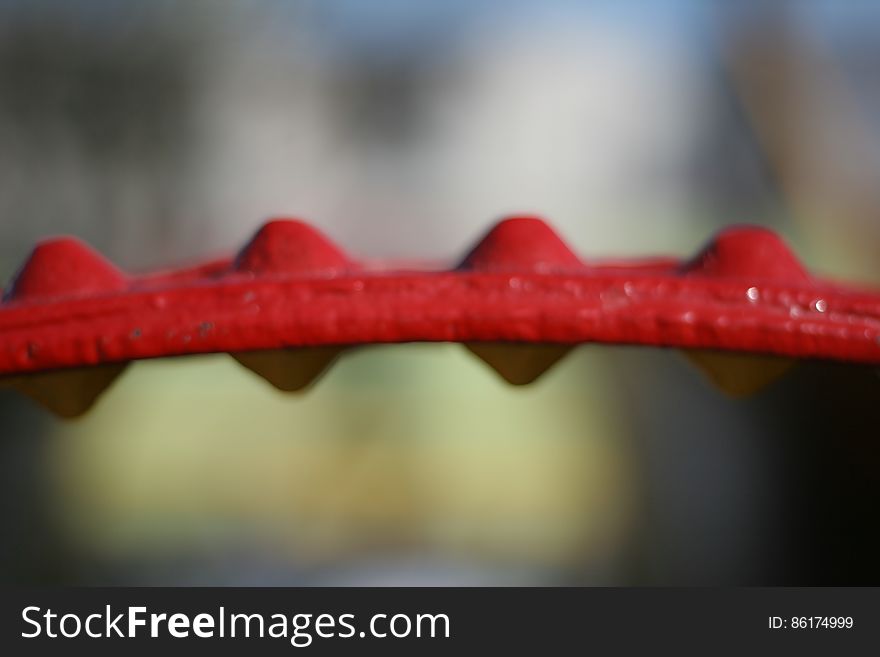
(398, 447)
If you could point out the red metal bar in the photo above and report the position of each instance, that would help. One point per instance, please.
(291, 287)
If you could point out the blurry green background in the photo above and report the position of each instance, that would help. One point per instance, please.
(166, 132)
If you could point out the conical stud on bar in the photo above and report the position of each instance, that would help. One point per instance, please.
(748, 252)
(59, 268)
(290, 370)
(518, 364)
(516, 244)
(64, 267)
(291, 246)
(737, 375)
(521, 243)
(754, 255)
(68, 393)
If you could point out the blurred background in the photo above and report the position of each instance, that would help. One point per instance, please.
(167, 132)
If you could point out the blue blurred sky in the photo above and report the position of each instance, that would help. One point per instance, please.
(404, 23)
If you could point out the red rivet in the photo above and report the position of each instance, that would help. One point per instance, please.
(521, 243)
(748, 252)
(291, 246)
(64, 267)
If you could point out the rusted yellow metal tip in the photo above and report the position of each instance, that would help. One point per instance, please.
(518, 364)
(739, 375)
(289, 370)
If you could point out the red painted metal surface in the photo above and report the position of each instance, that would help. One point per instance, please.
(292, 287)
(291, 301)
